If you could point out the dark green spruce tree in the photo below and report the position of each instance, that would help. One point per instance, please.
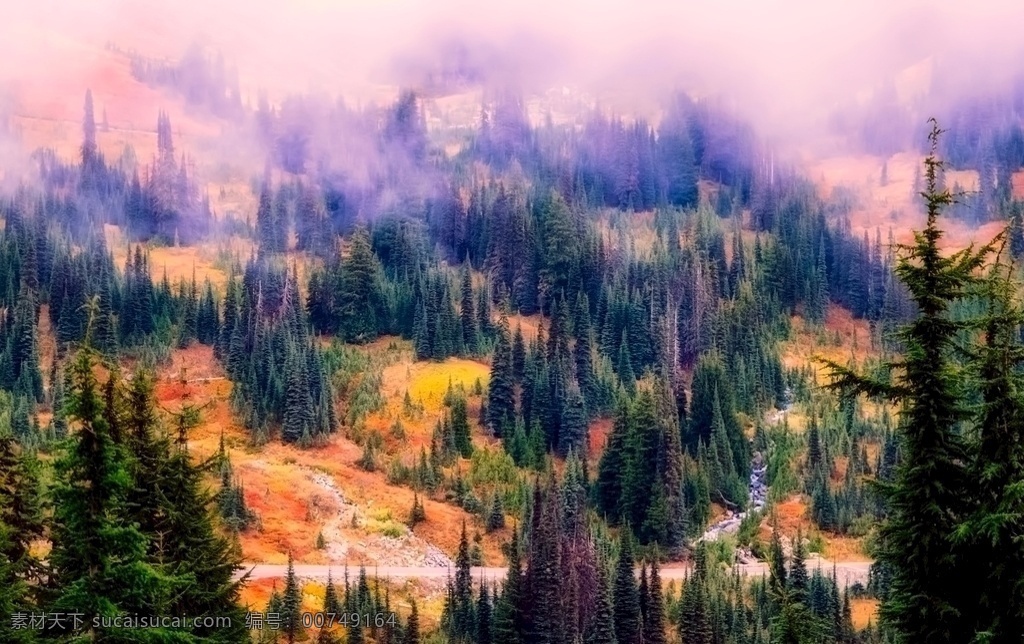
(501, 402)
(626, 595)
(21, 523)
(926, 501)
(98, 562)
(994, 531)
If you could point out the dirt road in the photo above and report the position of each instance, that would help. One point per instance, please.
(848, 572)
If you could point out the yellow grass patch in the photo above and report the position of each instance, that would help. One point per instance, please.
(428, 381)
(641, 237)
(527, 324)
(807, 343)
(839, 548)
(864, 611)
(205, 261)
(184, 261)
(426, 384)
(232, 196)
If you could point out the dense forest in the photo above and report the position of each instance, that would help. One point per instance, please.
(673, 338)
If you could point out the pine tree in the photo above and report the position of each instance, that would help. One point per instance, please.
(291, 604)
(26, 377)
(418, 514)
(508, 616)
(332, 604)
(518, 356)
(712, 387)
(989, 532)
(412, 625)
(573, 433)
(628, 626)
(500, 390)
(298, 407)
(185, 538)
(90, 151)
(496, 515)
(582, 356)
(467, 315)
(461, 599)
(677, 159)
(543, 575)
(654, 618)
(925, 501)
(724, 481)
(98, 560)
(265, 224)
(483, 617)
(601, 629)
(613, 461)
(359, 293)
(798, 579)
(21, 523)
(624, 367)
(460, 426)
(849, 635)
(355, 633)
(815, 456)
(695, 613)
(776, 559)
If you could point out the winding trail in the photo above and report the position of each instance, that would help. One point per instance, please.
(849, 572)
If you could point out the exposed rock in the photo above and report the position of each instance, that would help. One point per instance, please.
(757, 498)
(407, 550)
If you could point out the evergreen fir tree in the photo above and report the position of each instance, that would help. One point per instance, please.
(460, 426)
(995, 559)
(358, 297)
(467, 315)
(925, 596)
(508, 616)
(543, 578)
(461, 600)
(291, 604)
(601, 629)
(412, 625)
(624, 366)
(628, 626)
(654, 617)
(483, 617)
(613, 461)
(496, 515)
(98, 560)
(695, 619)
(573, 433)
(21, 523)
(518, 356)
(500, 392)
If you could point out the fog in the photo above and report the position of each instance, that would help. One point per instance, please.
(783, 64)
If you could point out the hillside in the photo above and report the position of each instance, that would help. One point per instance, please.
(474, 342)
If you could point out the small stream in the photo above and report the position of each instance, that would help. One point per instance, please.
(757, 495)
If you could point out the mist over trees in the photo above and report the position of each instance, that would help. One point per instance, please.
(629, 287)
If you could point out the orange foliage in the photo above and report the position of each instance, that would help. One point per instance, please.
(864, 611)
(285, 486)
(600, 431)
